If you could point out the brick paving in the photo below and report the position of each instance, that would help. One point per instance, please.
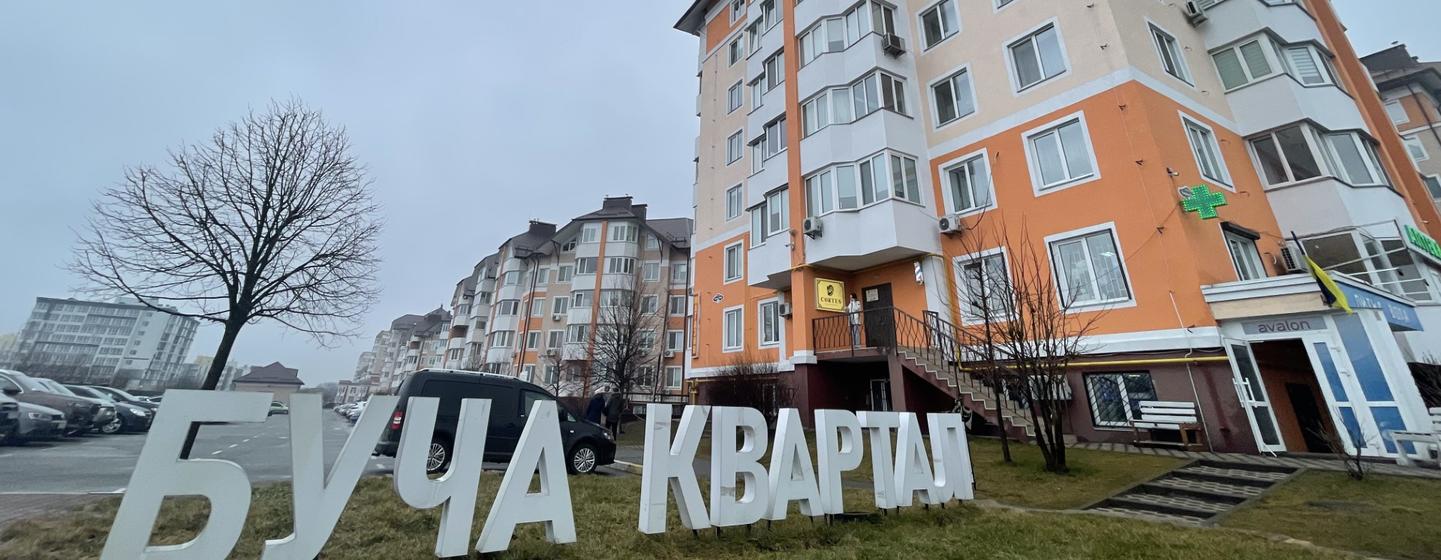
(1315, 463)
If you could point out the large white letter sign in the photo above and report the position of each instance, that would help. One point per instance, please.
(913, 467)
(672, 462)
(539, 448)
(878, 426)
(792, 477)
(158, 473)
(952, 457)
(319, 499)
(838, 437)
(729, 462)
(456, 488)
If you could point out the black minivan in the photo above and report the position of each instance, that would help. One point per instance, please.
(587, 444)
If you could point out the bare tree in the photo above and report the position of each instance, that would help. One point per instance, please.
(980, 281)
(628, 327)
(270, 219)
(753, 383)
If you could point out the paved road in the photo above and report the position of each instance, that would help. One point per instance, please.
(99, 463)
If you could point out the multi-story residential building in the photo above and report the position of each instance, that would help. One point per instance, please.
(413, 342)
(201, 367)
(1411, 92)
(123, 344)
(9, 343)
(903, 152)
(470, 305)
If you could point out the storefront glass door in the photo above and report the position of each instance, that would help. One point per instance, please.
(1252, 393)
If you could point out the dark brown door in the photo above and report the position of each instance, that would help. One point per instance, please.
(879, 316)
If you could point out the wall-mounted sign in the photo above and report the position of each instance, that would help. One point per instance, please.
(1283, 325)
(1201, 200)
(718, 298)
(1423, 243)
(830, 295)
(1400, 316)
(905, 472)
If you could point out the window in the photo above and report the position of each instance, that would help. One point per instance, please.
(770, 323)
(969, 184)
(590, 233)
(939, 22)
(1116, 397)
(776, 215)
(649, 304)
(650, 271)
(561, 305)
(581, 299)
(616, 298)
(733, 97)
(651, 242)
(772, 139)
(537, 307)
(954, 97)
(1244, 255)
(680, 273)
(675, 305)
(984, 284)
(564, 273)
(1433, 184)
(577, 333)
(1173, 61)
(1308, 65)
(674, 340)
(1242, 64)
(869, 181)
(775, 68)
(1207, 151)
(734, 51)
(733, 202)
(585, 265)
(1396, 111)
(733, 262)
(737, 10)
(1088, 269)
(842, 105)
(619, 265)
(1355, 159)
(511, 278)
(554, 339)
(1003, 3)
(1060, 154)
(733, 148)
(542, 276)
(532, 340)
(753, 37)
(552, 375)
(673, 376)
(507, 307)
(1285, 156)
(1037, 57)
(625, 232)
(829, 35)
(569, 245)
(734, 326)
(1297, 153)
(1415, 148)
(769, 16)
(501, 339)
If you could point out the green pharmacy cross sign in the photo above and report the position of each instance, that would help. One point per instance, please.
(1201, 200)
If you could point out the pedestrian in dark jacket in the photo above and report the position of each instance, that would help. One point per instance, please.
(596, 407)
(614, 407)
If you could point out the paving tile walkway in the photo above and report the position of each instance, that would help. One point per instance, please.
(1315, 463)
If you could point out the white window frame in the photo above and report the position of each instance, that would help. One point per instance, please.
(1187, 123)
(735, 97)
(565, 273)
(560, 305)
(1434, 192)
(1253, 257)
(590, 233)
(1395, 110)
(775, 305)
(740, 253)
(1056, 271)
(963, 298)
(624, 232)
(777, 215)
(1033, 163)
(1183, 69)
(582, 270)
(735, 203)
(970, 92)
(1008, 49)
(537, 307)
(678, 337)
(649, 267)
(947, 190)
(681, 269)
(735, 52)
(1413, 145)
(1269, 53)
(999, 5)
(735, 147)
(739, 314)
(679, 378)
(946, 34)
(675, 300)
(532, 340)
(737, 9)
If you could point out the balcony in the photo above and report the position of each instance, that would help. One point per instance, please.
(768, 265)
(773, 176)
(883, 232)
(1281, 100)
(1229, 20)
(773, 105)
(1325, 204)
(843, 67)
(849, 142)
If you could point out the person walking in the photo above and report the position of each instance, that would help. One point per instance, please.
(853, 310)
(596, 407)
(614, 408)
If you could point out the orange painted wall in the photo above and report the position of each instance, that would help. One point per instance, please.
(1136, 134)
(1417, 112)
(707, 340)
(719, 27)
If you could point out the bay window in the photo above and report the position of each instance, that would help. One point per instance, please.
(1303, 151)
(845, 104)
(879, 177)
(1243, 64)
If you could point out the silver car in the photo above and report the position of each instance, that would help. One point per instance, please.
(38, 423)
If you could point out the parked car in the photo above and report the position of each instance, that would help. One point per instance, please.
(39, 423)
(587, 444)
(80, 414)
(9, 420)
(104, 420)
(344, 409)
(128, 417)
(122, 396)
(277, 407)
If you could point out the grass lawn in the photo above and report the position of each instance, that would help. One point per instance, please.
(1094, 474)
(378, 525)
(1389, 516)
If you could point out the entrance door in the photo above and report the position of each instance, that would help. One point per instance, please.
(880, 395)
(879, 317)
(1252, 393)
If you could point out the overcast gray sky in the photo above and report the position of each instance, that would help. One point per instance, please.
(471, 116)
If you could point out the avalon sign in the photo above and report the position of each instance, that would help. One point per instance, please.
(742, 490)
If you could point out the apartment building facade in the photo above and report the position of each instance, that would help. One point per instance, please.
(1157, 165)
(1411, 92)
(124, 344)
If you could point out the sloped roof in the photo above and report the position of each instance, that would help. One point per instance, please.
(675, 230)
(275, 373)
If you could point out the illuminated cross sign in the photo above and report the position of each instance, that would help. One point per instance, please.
(1201, 200)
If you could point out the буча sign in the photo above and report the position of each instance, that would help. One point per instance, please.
(738, 444)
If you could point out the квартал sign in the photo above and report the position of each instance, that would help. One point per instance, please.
(739, 440)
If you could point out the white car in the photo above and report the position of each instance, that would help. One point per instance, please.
(354, 413)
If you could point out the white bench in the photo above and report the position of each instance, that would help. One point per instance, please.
(1421, 439)
(1174, 416)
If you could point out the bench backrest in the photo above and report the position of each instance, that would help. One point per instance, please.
(1168, 414)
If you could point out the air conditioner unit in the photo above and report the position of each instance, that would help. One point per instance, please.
(670, 353)
(950, 223)
(811, 227)
(785, 310)
(1291, 259)
(557, 317)
(1196, 11)
(893, 44)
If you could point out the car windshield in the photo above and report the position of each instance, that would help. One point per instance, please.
(26, 382)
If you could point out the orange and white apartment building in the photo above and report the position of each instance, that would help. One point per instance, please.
(846, 147)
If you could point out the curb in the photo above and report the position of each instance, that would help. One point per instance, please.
(631, 468)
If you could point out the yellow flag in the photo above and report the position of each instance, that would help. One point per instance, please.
(1330, 292)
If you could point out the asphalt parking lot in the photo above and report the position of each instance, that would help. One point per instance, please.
(102, 464)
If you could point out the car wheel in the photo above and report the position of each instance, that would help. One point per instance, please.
(582, 459)
(437, 458)
(113, 427)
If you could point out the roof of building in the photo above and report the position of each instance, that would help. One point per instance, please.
(273, 374)
(1395, 65)
(407, 321)
(675, 230)
(694, 17)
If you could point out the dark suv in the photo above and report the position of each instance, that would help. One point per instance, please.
(587, 445)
